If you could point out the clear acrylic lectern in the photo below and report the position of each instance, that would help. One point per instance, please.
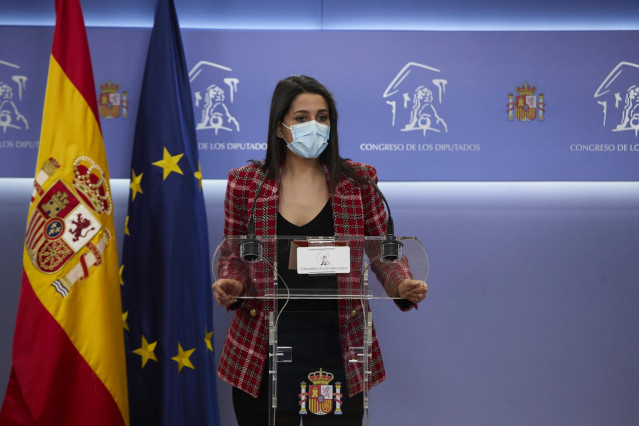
(314, 292)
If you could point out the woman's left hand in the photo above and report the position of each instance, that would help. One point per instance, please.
(413, 290)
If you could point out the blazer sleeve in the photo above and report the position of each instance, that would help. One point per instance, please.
(230, 265)
(392, 274)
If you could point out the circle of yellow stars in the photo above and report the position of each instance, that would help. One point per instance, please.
(146, 351)
(168, 164)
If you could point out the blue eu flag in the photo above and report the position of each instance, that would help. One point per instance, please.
(165, 271)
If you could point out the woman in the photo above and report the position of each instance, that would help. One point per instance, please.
(307, 189)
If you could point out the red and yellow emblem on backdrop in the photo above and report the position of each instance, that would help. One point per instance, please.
(112, 103)
(526, 106)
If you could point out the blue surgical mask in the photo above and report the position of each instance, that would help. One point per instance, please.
(309, 139)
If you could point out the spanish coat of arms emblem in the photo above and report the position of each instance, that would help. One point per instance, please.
(65, 220)
(320, 396)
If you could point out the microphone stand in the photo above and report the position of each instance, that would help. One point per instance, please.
(390, 248)
(251, 248)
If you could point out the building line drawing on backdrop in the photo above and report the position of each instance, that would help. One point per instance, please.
(413, 90)
(214, 112)
(10, 116)
(621, 90)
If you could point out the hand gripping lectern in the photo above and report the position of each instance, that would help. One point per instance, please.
(311, 294)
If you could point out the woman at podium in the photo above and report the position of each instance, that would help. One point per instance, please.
(303, 188)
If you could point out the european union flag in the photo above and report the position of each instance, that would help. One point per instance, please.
(165, 271)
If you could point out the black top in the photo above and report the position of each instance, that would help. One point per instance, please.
(320, 226)
(310, 327)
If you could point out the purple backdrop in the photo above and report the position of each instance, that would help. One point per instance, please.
(461, 106)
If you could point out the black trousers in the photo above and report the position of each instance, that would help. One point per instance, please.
(251, 411)
(312, 330)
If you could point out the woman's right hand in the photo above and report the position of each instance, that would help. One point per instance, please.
(226, 291)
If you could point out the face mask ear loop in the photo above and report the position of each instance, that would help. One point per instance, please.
(281, 136)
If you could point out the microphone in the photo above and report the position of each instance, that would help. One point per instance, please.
(251, 248)
(390, 248)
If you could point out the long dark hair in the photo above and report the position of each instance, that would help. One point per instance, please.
(285, 92)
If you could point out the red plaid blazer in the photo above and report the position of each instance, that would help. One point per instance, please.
(358, 210)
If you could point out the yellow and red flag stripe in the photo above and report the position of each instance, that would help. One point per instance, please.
(68, 350)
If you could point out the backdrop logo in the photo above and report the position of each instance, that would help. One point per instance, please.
(526, 105)
(12, 87)
(414, 96)
(111, 103)
(618, 95)
(214, 90)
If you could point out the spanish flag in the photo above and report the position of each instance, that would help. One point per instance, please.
(68, 348)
